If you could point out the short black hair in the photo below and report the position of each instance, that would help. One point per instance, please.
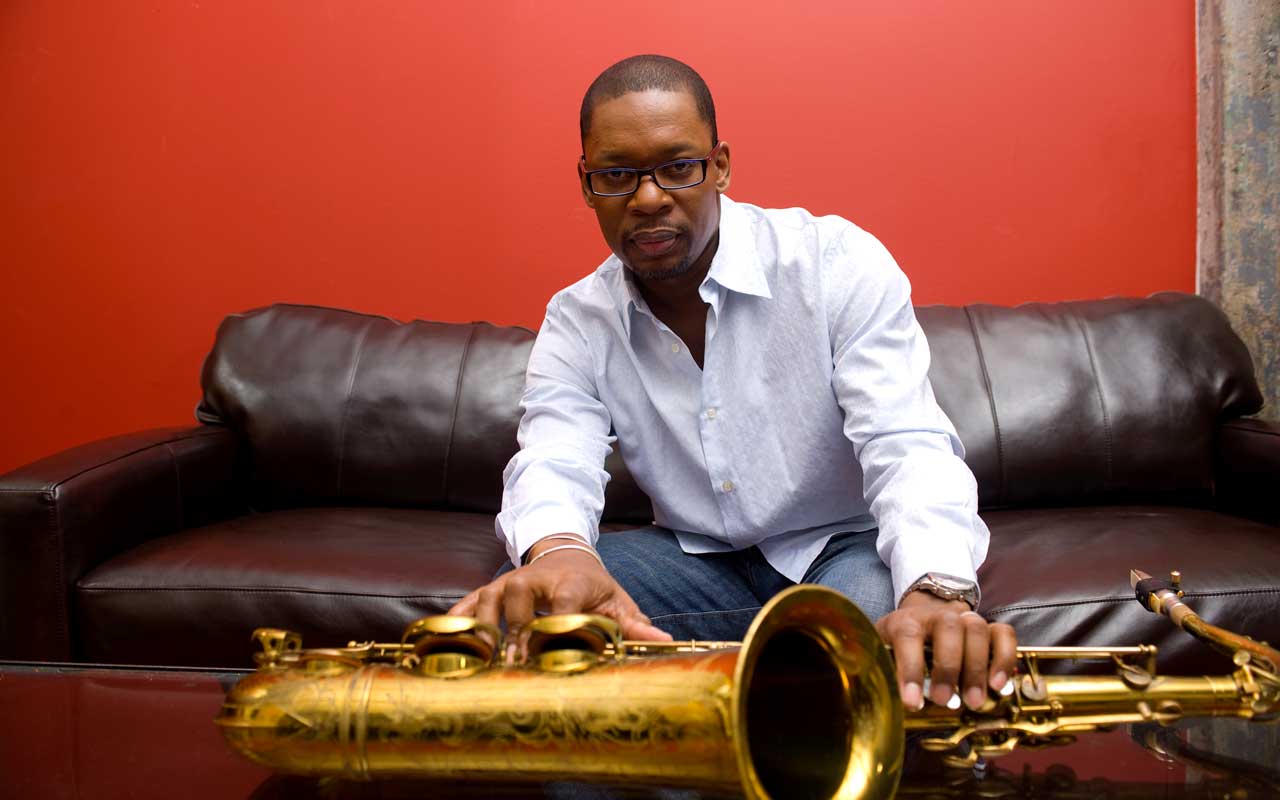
(644, 73)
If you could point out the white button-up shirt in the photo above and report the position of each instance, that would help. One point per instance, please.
(812, 414)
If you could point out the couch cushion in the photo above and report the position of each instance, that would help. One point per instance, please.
(333, 575)
(1061, 577)
(1094, 401)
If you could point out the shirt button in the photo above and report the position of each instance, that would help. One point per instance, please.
(675, 348)
(711, 413)
(727, 486)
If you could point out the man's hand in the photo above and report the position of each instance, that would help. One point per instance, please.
(964, 645)
(564, 582)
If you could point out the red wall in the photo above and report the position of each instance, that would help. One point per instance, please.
(163, 164)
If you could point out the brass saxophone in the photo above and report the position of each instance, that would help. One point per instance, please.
(805, 706)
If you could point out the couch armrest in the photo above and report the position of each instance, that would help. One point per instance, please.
(65, 514)
(1247, 469)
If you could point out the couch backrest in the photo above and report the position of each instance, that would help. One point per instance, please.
(1087, 401)
(1065, 402)
(339, 407)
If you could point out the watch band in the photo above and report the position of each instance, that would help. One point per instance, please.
(948, 587)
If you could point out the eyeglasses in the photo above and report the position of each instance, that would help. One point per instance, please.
(621, 181)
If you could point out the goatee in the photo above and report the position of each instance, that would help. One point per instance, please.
(676, 270)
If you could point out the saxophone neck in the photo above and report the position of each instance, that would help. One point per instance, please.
(1165, 597)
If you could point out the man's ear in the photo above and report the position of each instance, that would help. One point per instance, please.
(587, 196)
(722, 168)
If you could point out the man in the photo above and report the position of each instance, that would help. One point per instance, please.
(766, 381)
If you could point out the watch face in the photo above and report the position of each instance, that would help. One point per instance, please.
(951, 588)
(954, 584)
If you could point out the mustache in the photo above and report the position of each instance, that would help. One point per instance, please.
(657, 226)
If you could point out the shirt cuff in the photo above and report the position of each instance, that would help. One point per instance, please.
(948, 556)
(539, 523)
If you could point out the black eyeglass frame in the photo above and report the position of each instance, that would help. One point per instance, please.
(652, 172)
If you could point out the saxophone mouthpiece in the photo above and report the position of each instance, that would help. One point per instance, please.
(1148, 590)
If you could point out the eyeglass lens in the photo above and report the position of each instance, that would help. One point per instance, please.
(675, 175)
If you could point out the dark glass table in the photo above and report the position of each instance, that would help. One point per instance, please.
(87, 732)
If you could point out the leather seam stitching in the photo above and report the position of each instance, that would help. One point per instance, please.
(1128, 599)
(1247, 430)
(346, 405)
(253, 590)
(991, 401)
(453, 417)
(177, 480)
(1102, 402)
(55, 518)
(53, 487)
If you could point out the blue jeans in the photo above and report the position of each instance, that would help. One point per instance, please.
(716, 595)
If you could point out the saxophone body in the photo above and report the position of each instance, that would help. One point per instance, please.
(806, 706)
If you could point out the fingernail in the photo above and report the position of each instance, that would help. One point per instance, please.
(974, 697)
(999, 680)
(939, 694)
(912, 697)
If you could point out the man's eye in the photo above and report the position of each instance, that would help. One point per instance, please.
(677, 171)
(614, 176)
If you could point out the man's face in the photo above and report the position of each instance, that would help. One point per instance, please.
(658, 233)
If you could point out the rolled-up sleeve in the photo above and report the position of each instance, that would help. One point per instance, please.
(555, 483)
(921, 493)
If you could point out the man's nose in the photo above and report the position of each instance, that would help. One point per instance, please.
(649, 197)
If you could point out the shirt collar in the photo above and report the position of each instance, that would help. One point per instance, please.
(736, 266)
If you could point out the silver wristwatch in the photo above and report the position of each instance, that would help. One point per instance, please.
(948, 587)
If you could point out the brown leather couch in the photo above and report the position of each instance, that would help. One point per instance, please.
(346, 470)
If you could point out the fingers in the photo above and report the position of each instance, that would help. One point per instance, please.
(977, 644)
(640, 628)
(948, 655)
(560, 584)
(905, 635)
(465, 607)
(518, 601)
(1004, 655)
(968, 655)
(482, 604)
(488, 603)
(636, 625)
(568, 598)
